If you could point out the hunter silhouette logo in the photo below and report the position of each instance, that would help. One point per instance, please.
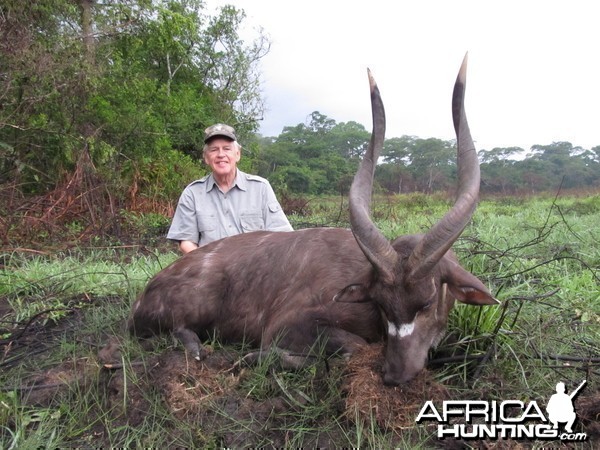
(507, 419)
(560, 407)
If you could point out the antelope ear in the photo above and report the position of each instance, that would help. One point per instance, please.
(467, 288)
(353, 293)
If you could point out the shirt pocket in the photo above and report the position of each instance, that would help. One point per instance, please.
(252, 221)
(274, 207)
(206, 223)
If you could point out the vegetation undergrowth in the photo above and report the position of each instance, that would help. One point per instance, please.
(58, 311)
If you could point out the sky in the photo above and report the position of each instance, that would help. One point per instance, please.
(533, 74)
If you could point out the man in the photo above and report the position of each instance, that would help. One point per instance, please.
(227, 201)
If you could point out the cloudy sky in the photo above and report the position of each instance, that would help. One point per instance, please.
(533, 77)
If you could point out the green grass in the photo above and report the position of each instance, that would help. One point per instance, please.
(540, 257)
(58, 283)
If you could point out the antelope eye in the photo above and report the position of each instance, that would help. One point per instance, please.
(428, 305)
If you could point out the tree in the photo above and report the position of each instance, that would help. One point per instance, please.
(499, 154)
(349, 139)
(431, 161)
(106, 102)
(126, 80)
(317, 157)
(398, 150)
(230, 67)
(498, 169)
(562, 164)
(395, 178)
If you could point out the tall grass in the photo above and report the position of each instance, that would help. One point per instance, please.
(540, 257)
(55, 284)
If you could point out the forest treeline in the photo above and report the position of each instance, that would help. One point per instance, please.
(103, 106)
(321, 157)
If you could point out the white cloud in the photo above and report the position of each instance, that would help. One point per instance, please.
(533, 75)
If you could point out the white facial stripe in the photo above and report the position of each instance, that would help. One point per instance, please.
(406, 329)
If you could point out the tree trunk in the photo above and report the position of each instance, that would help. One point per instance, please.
(87, 30)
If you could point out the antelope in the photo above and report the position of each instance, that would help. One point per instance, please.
(337, 289)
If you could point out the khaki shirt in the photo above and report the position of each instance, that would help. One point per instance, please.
(204, 213)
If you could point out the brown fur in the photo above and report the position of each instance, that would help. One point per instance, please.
(268, 288)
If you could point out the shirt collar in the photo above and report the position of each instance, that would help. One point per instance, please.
(240, 181)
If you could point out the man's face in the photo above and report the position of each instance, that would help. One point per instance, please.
(222, 156)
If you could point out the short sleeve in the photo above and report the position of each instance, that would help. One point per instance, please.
(276, 219)
(184, 226)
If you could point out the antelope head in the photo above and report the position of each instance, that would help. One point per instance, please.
(417, 277)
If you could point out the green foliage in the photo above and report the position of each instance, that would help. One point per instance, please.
(56, 287)
(318, 158)
(117, 119)
(31, 427)
(141, 226)
(321, 157)
(155, 76)
(545, 168)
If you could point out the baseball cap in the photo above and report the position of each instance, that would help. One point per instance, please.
(219, 129)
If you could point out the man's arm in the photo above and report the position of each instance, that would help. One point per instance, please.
(275, 218)
(187, 246)
(184, 227)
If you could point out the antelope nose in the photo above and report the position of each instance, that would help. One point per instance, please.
(389, 377)
(391, 380)
(395, 377)
(397, 380)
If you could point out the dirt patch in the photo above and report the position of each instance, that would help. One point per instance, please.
(205, 394)
(392, 408)
(395, 408)
(588, 412)
(188, 387)
(212, 395)
(213, 399)
(52, 386)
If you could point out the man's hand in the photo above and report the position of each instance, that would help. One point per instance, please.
(187, 246)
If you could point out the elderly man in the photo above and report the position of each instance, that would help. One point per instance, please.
(227, 201)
